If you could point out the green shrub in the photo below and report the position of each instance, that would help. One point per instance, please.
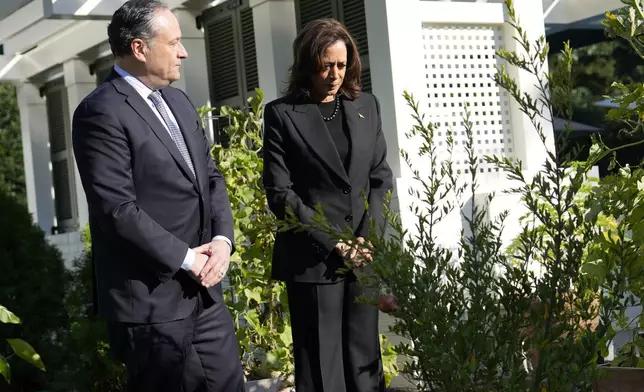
(88, 365)
(32, 285)
(258, 304)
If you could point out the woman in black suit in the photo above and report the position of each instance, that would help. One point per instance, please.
(323, 143)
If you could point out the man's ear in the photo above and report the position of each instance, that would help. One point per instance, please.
(138, 47)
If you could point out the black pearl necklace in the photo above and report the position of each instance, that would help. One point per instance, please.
(336, 108)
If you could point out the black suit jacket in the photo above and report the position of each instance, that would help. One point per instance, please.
(302, 168)
(146, 208)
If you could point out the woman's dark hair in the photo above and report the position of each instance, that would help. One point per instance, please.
(133, 20)
(308, 50)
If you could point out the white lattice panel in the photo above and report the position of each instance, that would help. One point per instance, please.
(459, 66)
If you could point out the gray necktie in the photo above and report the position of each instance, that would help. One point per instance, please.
(175, 132)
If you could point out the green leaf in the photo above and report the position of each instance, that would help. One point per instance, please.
(594, 269)
(388, 378)
(638, 232)
(252, 318)
(7, 317)
(26, 352)
(5, 370)
(286, 336)
(271, 358)
(254, 294)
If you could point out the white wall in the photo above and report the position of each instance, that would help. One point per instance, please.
(69, 244)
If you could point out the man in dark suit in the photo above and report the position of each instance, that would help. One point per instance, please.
(160, 217)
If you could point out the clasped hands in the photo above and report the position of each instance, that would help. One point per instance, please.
(358, 253)
(211, 263)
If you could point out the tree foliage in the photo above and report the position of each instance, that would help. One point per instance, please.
(12, 179)
(33, 286)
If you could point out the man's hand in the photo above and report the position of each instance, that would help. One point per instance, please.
(201, 258)
(217, 265)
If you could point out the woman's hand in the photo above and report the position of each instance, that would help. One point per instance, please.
(358, 253)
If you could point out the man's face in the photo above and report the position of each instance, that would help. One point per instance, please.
(163, 54)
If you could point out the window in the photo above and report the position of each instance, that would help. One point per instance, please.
(231, 57)
(231, 54)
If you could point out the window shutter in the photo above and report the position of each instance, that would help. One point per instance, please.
(56, 120)
(220, 40)
(355, 20)
(232, 58)
(310, 10)
(60, 150)
(249, 50)
(366, 79)
(61, 181)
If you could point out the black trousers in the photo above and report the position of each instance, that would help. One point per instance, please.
(197, 354)
(335, 339)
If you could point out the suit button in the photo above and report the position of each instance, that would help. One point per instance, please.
(346, 191)
(200, 232)
(348, 218)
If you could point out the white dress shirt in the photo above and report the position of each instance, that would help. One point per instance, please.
(145, 92)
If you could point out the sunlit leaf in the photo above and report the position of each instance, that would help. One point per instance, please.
(25, 351)
(5, 370)
(7, 317)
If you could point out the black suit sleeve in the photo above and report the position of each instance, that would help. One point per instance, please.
(104, 163)
(277, 180)
(222, 215)
(380, 182)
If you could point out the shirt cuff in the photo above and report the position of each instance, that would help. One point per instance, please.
(224, 238)
(188, 260)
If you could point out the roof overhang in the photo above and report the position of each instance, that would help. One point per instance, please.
(33, 43)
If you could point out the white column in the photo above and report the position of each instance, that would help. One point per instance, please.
(529, 148)
(275, 30)
(395, 57)
(36, 155)
(194, 70)
(78, 84)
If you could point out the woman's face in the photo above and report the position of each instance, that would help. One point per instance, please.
(328, 81)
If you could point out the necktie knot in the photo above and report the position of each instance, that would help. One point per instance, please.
(155, 96)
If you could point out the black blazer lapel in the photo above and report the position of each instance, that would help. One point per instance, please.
(135, 100)
(356, 121)
(186, 128)
(309, 123)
